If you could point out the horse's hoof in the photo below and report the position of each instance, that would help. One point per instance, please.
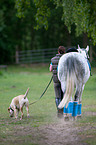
(74, 118)
(79, 116)
(66, 118)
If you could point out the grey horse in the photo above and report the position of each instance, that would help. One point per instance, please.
(73, 72)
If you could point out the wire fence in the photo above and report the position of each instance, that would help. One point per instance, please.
(35, 56)
(43, 55)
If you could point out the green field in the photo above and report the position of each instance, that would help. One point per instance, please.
(16, 80)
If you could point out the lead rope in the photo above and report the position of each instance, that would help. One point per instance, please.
(43, 91)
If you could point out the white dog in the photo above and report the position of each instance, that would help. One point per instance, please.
(17, 105)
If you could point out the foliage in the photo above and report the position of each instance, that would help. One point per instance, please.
(42, 11)
(21, 6)
(13, 31)
(40, 24)
(82, 13)
(4, 33)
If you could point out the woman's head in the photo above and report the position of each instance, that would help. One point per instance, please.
(61, 49)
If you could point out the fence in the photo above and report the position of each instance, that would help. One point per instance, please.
(42, 55)
(35, 56)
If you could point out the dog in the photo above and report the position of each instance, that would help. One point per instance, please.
(17, 105)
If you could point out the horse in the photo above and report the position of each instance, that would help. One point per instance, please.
(73, 73)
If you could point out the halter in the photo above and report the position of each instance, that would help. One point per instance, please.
(87, 56)
(86, 51)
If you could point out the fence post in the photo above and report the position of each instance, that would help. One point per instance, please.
(17, 56)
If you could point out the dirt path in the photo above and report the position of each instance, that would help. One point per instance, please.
(62, 133)
(57, 133)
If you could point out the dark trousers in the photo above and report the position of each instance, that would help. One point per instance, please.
(58, 91)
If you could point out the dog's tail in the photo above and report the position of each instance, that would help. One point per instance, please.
(26, 93)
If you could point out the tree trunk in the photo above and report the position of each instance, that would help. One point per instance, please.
(85, 40)
(90, 53)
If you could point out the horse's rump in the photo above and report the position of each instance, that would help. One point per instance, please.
(71, 63)
(71, 72)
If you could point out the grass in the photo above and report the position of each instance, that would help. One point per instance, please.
(16, 81)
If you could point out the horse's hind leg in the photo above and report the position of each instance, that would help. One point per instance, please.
(77, 100)
(78, 93)
(80, 102)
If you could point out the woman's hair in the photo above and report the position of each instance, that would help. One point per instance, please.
(61, 49)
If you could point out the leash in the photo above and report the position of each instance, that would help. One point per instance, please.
(43, 91)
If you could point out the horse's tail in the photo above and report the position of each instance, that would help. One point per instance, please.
(26, 93)
(69, 89)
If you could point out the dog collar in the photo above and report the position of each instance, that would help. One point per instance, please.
(11, 108)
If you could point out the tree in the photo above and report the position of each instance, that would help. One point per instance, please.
(82, 13)
(6, 37)
(40, 24)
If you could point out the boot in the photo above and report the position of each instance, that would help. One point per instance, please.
(57, 101)
(59, 111)
(75, 109)
(79, 110)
